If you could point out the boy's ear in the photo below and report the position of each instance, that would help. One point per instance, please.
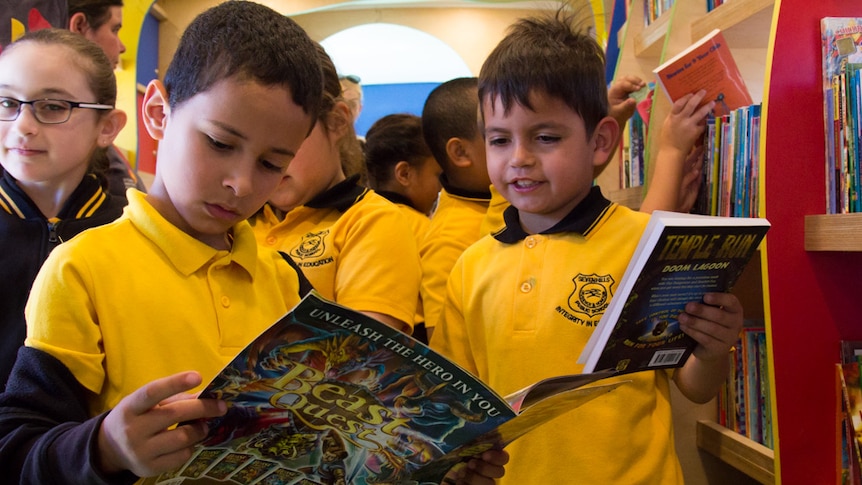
(155, 109)
(402, 173)
(458, 153)
(604, 140)
(112, 124)
(78, 23)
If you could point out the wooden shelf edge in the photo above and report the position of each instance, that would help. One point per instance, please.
(754, 15)
(747, 456)
(833, 232)
(650, 41)
(630, 197)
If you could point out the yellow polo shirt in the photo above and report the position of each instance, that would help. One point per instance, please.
(138, 299)
(521, 307)
(355, 247)
(455, 225)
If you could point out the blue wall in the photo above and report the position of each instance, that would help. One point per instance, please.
(384, 99)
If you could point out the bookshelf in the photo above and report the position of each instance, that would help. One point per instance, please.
(811, 262)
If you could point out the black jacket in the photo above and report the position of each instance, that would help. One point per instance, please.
(26, 239)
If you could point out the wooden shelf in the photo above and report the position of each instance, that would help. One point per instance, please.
(650, 41)
(744, 24)
(747, 456)
(630, 197)
(833, 232)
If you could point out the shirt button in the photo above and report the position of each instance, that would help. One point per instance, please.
(225, 301)
(271, 240)
(526, 287)
(530, 242)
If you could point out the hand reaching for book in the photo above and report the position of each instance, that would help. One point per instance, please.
(621, 106)
(137, 436)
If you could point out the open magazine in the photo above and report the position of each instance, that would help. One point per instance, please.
(679, 258)
(328, 395)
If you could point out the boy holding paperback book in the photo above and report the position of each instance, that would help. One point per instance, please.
(522, 303)
(96, 393)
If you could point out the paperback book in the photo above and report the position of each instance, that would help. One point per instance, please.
(707, 64)
(328, 395)
(679, 258)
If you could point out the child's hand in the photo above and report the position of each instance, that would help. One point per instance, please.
(134, 435)
(684, 125)
(714, 324)
(621, 107)
(481, 470)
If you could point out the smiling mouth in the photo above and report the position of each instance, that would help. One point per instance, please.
(524, 184)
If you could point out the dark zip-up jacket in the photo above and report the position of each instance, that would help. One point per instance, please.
(26, 239)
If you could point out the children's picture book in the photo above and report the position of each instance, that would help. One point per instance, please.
(328, 395)
(679, 258)
(707, 64)
(841, 47)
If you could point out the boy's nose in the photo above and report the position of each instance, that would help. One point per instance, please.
(521, 156)
(239, 181)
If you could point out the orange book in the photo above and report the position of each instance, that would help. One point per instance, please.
(708, 64)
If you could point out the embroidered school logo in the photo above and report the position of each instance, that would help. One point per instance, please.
(312, 245)
(592, 293)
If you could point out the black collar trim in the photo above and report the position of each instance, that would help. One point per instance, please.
(580, 220)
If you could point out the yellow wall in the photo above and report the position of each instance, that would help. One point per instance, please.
(471, 32)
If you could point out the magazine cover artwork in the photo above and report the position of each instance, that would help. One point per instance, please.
(324, 399)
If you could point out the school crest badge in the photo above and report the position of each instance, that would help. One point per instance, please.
(312, 245)
(592, 294)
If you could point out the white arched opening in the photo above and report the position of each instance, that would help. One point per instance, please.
(398, 67)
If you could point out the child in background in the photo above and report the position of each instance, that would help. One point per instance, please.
(402, 169)
(451, 129)
(96, 391)
(100, 21)
(355, 247)
(57, 118)
(547, 130)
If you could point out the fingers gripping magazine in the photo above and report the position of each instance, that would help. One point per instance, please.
(328, 395)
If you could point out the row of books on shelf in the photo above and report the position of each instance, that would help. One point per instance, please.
(653, 9)
(633, 140)
(731, 164)
(849, 416)
(743, 402)
(841, 40)
(712, 4)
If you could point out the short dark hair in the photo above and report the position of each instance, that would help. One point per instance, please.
(451, 111)
(391, 139)
(248, 40)
(97, 12)
(548, 54)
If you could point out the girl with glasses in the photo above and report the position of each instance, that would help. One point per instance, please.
(57, 119)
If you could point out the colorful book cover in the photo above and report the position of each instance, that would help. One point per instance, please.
(765, 392)
(328, 395)
(678, 259)
(707, 64)
(753, 415)
(841, 44)
(852, 396)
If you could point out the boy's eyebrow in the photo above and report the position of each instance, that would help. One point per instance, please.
(280, 151)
